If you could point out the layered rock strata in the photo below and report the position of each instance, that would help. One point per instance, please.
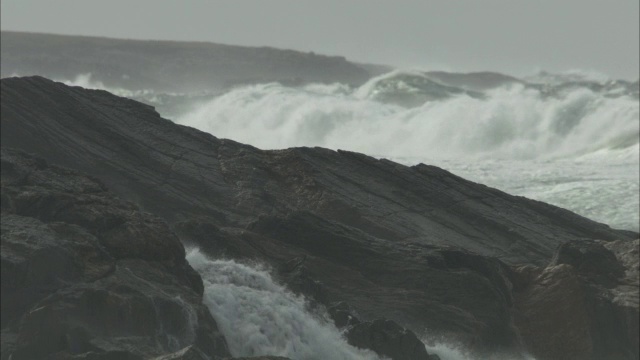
(417, 245)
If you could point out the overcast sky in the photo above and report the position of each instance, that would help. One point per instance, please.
(512, 36)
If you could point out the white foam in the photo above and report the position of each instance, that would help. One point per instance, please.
(259, 317)
(578, 150)
(368, 90)
(534, 142)
(452, 352)
(446, 352)
(513, 122)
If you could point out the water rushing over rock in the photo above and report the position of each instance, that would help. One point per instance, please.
(260, 317)
(86, 272)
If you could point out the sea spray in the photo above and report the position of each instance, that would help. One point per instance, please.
(511, 122)
(169, 104)
(260, 317)
(449, 352)
(577, 149)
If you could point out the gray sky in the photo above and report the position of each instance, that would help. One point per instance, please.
(512, 36)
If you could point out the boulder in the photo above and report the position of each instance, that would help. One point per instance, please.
(388, 339)
(589, 295)
(592, 260)
(86, 275)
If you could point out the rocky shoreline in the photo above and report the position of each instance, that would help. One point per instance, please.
(99, 194)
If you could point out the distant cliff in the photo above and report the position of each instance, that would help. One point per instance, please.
(168, 65)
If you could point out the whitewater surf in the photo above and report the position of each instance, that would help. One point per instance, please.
(572, 144)
(571, 140)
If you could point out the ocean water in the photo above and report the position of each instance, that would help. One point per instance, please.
(572, 144)
(565, 140)
(571, 139)
(258, 316)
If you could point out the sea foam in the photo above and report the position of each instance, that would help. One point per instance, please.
(260, 317)
(577, 148)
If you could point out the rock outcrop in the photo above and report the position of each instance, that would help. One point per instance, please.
(415, 245)
(388, 339)
(584, 305)
(86, 275)
(183, 174)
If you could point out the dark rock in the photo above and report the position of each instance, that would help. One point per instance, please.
(627, 254)
(342, 314)
(624, 297)
(299, 280)
(592, 260)
(387, 338)
(214, 241)
(554, 303)
(261, 358)
(92, 355)
(188, 353)
(452, 292)
(335, 226)
(587, 295)
(180, 174)
(88, 276)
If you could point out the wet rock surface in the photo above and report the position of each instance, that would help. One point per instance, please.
(388, 339)
(86, 275)
(415, 245)
(588, 294)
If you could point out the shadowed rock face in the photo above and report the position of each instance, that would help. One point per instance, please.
(336, 226)
(180, 173)
(85, 272)
(387, 339)
(589, 295)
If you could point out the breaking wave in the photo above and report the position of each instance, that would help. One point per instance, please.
(514, 121)
(569, 139)
(169, 104)
(574, 144)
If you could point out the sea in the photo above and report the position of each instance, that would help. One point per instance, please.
(569, 139)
